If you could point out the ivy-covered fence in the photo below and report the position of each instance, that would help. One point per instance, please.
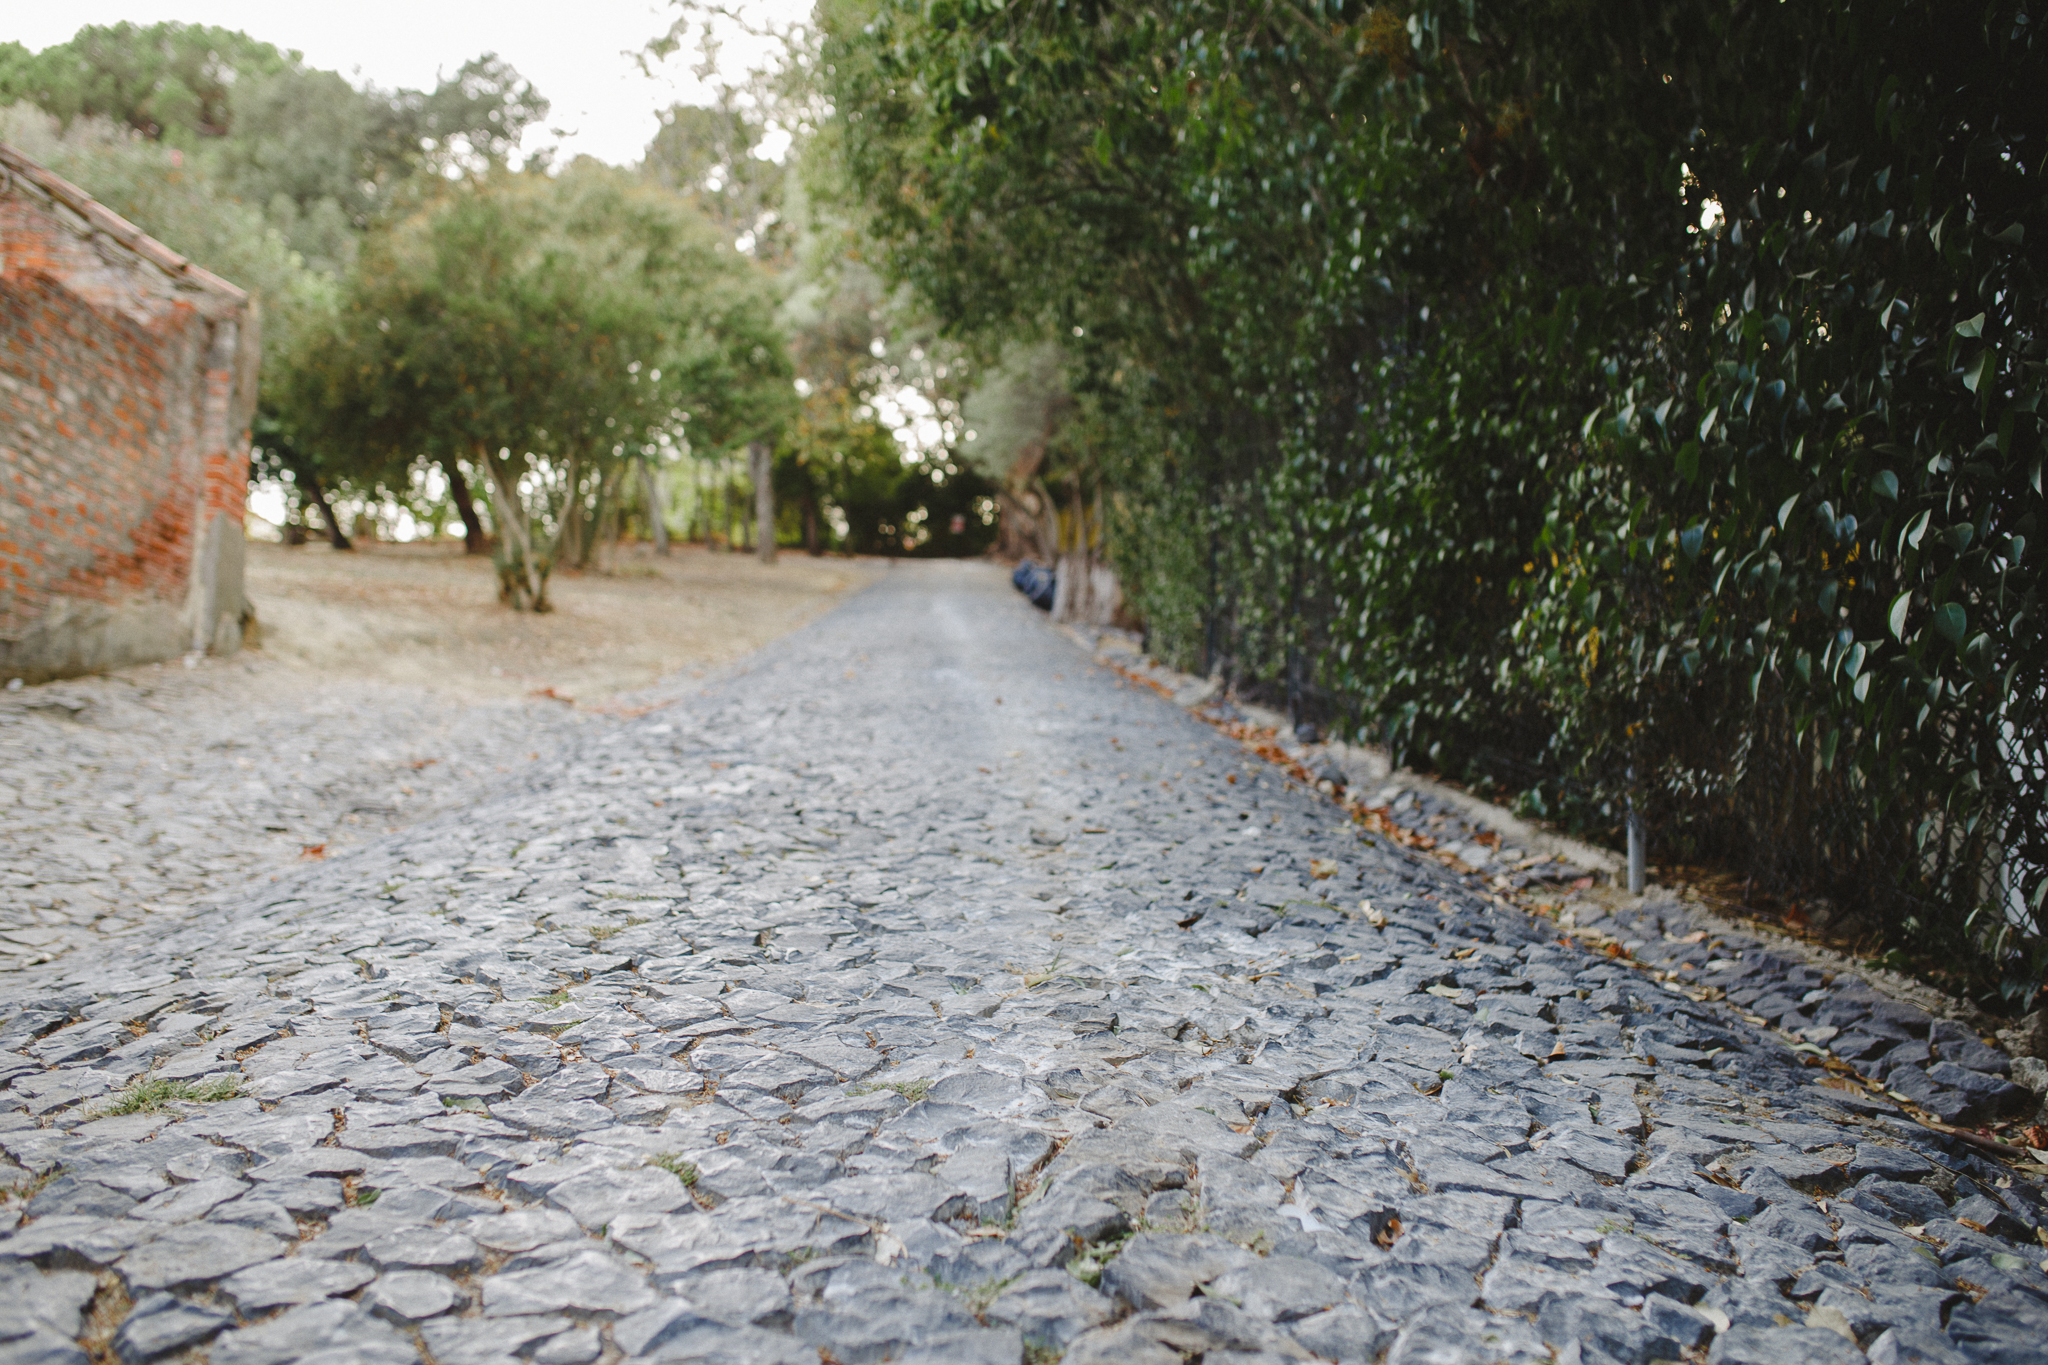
(1603, 403)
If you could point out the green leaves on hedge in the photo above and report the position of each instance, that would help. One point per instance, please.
(1950, 620)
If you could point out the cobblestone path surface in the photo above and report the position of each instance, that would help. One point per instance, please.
(127, 798)
(924, 992)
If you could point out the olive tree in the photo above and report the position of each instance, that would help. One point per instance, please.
(549, 333)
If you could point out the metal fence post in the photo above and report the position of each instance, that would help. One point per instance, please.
(1637, 839)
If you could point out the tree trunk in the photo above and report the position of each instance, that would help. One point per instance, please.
(569, 536)
(604, 542)
(1048, 527)
(761, 464)
(334, 534)
(657, 524)
(725, 505)
(811, 545)
(510, 514)
(465, 507)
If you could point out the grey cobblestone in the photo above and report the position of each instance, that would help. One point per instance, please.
(922, 991)
(127, 800)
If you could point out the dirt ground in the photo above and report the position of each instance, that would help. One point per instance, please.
(428, 615)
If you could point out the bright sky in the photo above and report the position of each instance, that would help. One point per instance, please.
(578, 53)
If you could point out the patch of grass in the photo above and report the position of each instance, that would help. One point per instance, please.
(909, 1090)
(1087, 1267)
(601, 932)
(151, 1093)
(1042, 1353)
(674, 1164)
(1033, 980)
(21, 1194)
(979, 1297)
(468, 1103)
(555, 1001)
(363, 1198)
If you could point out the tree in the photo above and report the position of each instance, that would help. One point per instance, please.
(549, 333)
(864, 352)
(170, 82)
(709, 154)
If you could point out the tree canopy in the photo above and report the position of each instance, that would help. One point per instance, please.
(548, 331)
(316, 155)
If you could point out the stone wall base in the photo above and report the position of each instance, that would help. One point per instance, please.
(76, 635)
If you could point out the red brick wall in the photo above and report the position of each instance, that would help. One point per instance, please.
(123, 418)
(99, 506)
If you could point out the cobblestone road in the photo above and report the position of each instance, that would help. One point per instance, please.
(127, 798)
(924, 992)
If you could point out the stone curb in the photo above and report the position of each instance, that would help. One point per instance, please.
(1365, 766)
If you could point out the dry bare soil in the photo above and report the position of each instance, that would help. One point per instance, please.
(428, 616)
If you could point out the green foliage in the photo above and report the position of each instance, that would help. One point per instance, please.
(1019, 401)
(909, 1090)
(891, 507)
(149, 1094)
(673, 1163)
(323, 158)
(170, 82)
(548, 331)
(318, 156)
(1632, 402)
(852, 486)
(843, 479)
(708, 153)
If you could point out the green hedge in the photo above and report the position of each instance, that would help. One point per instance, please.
(1634, 401)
